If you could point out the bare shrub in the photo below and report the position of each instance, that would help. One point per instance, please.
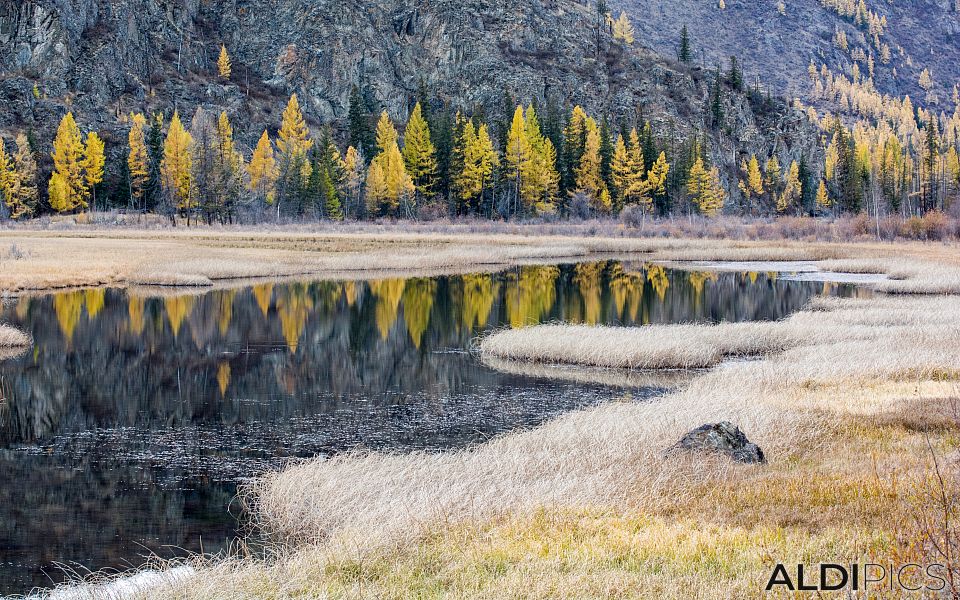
(936, 225)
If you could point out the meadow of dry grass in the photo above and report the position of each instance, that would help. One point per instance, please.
(848, 398)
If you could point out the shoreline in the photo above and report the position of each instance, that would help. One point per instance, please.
(204, 257)
(833, 401)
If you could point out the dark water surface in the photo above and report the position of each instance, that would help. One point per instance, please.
(128, 426)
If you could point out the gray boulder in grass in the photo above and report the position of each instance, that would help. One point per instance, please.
(724, 438)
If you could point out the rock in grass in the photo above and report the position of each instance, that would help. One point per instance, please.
(723, 437)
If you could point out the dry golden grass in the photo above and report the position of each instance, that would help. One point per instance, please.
(843, 397)
(632, 379)
(11, 337)
(197, 258)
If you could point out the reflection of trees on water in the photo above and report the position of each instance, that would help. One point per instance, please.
(133, 395)
(98, 516)
(105, 359)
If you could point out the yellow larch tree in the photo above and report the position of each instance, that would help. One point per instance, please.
(823, 199)
(68, 189)
(622, 28)
(419, 154)
(541, 181)
(224, 66)
(93, 161)
(637, 186)
(6, 173)
(588, 179)
(388, 184)
(752, 185)
(175, 168)
(626, 171)
(137, 158)
(228, 166)
(657, 177)
(293, 142)
(792, 188)
(704, 188)
(479, 161)
(517, 155)
(354, 169)
(20, 192)
(262, 170)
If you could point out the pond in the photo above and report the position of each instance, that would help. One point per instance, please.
(126, 429)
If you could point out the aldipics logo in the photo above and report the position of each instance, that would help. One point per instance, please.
(909, 577)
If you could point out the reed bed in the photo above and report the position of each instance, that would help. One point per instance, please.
(612, 454)
(13, 338)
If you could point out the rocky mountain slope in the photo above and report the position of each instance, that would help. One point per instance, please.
(105, 58)
(778, 39)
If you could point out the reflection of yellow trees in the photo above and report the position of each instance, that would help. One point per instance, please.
(479, 292)
(263, 293)
(418, 296)
(223, 377)
(23, 307)
(225, 314)
(350, 292)
(135, 308)
(177, 309)
(94, 299)
(626, 290)
(68, 307)
(531, 295)
(388, 293)
(657, 276)
(587, 278)
(697, 280)
(753, 276)
(293, 305)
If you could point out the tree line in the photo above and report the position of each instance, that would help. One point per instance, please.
(442, 163)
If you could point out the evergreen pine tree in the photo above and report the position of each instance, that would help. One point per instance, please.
(684, 52)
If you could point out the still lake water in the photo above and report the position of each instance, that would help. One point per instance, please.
(128, 426)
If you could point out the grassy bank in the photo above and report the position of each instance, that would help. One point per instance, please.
(83, 256)
(11, 337)
(849, 399)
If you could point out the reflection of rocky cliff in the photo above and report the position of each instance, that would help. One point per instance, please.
(274, 352)
(98, 517)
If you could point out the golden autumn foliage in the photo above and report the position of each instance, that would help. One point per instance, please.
(589, 181)
(704, 189)
(479, 159)
(263, 170)
(175, 168)
(224, 66)
(388, 294)
(622, 28)
(68, 189)
(531, 293)
(419, 154)
(388, 184)
(18, 179)
(530, 161)
(418, 297)
(137, 158)
(294, 136)
(93, 162)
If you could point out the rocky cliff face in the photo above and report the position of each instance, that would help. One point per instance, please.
(104, 58)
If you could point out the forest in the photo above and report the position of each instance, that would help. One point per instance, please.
(535, 161)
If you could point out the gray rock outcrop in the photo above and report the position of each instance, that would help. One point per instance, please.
(723, 438)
